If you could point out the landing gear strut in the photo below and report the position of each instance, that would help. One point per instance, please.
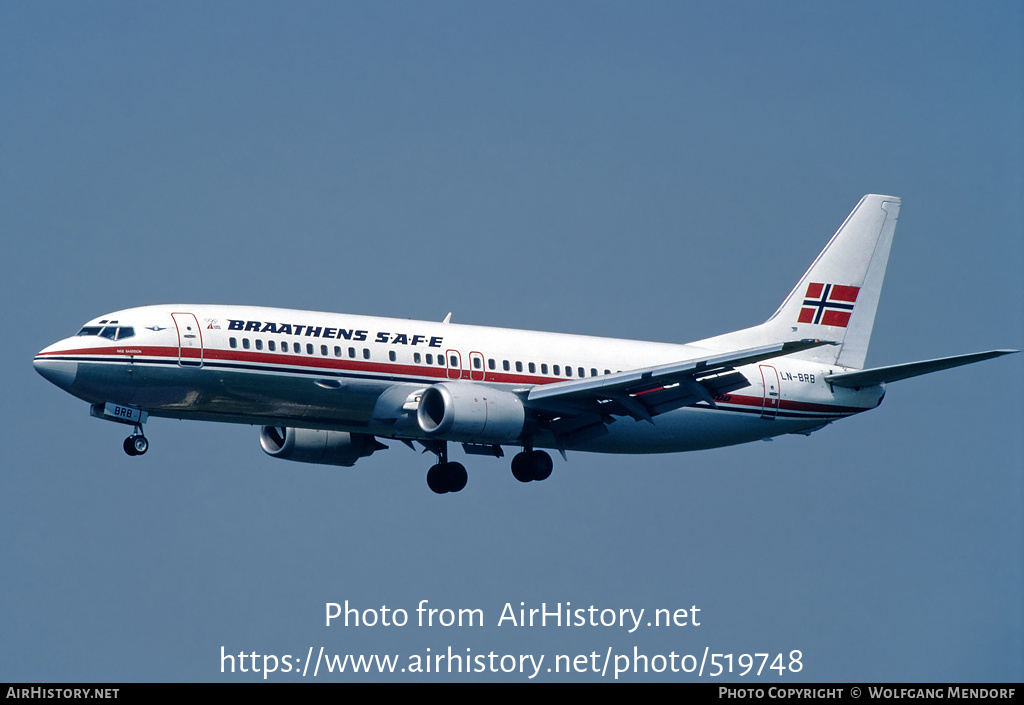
(445, 476)
(531, 465)
(136, 444)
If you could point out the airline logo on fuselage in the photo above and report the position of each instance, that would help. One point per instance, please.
(434, 341)
(828, 304)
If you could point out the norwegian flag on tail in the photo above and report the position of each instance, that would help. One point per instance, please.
(828, 304)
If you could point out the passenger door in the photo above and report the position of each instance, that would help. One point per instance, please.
(190, 340)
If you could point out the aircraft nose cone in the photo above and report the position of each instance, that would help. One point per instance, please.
(60, 372)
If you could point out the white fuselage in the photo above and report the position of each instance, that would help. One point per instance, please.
(363, 374)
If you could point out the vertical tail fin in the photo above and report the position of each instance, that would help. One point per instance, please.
(836, 299)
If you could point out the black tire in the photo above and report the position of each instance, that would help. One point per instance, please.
(141, 444)
(457, 477)
(437, 479)
(129, 445)
(541, 464)
(522, 468)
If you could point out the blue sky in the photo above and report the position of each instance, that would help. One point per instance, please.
(660, 171)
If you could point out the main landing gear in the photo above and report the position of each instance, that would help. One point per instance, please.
(532, 465)
(136, 444)
(445, 476)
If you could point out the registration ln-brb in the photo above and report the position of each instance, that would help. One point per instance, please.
(325, 387)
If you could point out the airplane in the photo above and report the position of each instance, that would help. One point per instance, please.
(324, 387)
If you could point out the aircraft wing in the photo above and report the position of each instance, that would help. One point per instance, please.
(646, 392)
(894, 373)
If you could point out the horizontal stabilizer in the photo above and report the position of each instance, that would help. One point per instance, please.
(894, 373)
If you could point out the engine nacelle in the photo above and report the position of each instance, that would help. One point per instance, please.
(305, 445)
(470, 413)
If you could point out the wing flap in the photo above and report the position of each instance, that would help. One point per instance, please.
(646, 392)
(691, 391)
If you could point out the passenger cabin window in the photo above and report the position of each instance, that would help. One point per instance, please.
(309, 348)
(392, 356)
(259, 344)
(417, 358)
(533, 368)
(490, 363)
(505, 365)
(543, 368)
(245, 343)
(323, 350)
(233, 342)
(477, 363)
(430, 359)
(284, 346)
(337, 351)
(366, 353)
(271, 345)
(557, 370)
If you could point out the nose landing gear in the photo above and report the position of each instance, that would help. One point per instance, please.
(136, 444)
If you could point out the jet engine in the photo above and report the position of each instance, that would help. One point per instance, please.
(305, 445)
(470, 413)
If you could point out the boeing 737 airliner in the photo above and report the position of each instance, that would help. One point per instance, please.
(324, 387)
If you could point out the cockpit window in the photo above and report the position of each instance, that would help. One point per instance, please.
(110, 332)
